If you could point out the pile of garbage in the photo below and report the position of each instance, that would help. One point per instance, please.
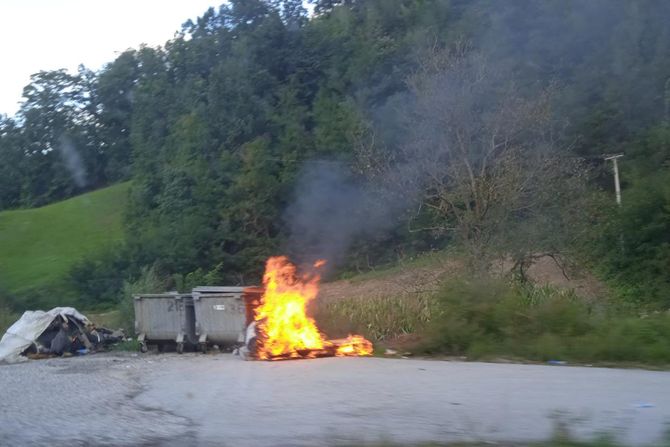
(60, 331)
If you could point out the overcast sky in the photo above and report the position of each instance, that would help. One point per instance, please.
(51, 34)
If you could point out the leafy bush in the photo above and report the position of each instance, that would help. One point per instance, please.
(97, 281)
(486, 317)
(631, 339)
(200, 277)
(149, 281)
(631, 247)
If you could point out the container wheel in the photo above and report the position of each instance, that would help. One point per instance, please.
(203, 348)
(143, 347)
(180, 348)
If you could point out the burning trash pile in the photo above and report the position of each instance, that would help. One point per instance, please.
(282, 329)
(60, 331)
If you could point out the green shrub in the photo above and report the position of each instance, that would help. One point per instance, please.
(469, 314)
(486, 317)
(97, 281)
(633, 339)
(149, 281)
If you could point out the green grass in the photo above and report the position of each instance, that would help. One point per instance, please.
(38, 246)
(110, 319)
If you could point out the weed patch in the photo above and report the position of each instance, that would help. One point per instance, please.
(487, 318)
(378, 318)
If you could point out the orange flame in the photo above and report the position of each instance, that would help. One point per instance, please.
(285, 329)
(354, 345)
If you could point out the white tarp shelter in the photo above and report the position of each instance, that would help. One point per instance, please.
(22, 334)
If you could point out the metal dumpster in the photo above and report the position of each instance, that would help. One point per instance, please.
(163, 319)
(221, 314)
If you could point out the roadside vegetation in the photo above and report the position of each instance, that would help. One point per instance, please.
(487, 319)
(497, 317)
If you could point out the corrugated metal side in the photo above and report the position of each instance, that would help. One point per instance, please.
(220, 316)
(161, 316)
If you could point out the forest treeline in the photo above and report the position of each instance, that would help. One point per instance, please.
(477, 123)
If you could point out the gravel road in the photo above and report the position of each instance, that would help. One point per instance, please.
(203, 400)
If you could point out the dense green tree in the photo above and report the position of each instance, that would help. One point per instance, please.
(58, 137)
(113, 99)
(12, 164)
(633, 247)
(267, 90)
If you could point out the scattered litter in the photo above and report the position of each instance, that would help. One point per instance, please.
(557, 362)
(62, 331)
(390, 352)
(644, 405)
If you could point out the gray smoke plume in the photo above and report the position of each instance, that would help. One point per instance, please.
(331, 210)
(73, 161)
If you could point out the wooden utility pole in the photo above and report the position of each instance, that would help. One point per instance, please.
(617, 184)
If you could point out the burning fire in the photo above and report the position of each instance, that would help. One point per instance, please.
(285, 330)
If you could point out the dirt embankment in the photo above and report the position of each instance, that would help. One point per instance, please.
(412, 279)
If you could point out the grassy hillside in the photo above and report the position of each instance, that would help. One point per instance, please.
(38, 246)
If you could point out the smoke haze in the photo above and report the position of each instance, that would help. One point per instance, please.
(331, 210)
(73, 161)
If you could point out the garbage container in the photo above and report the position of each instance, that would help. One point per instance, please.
(221, 314)
(163, 319)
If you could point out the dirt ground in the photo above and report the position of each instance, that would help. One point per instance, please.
(409, 280)
(220, 400)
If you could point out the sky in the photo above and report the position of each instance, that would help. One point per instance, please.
(51, 34)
